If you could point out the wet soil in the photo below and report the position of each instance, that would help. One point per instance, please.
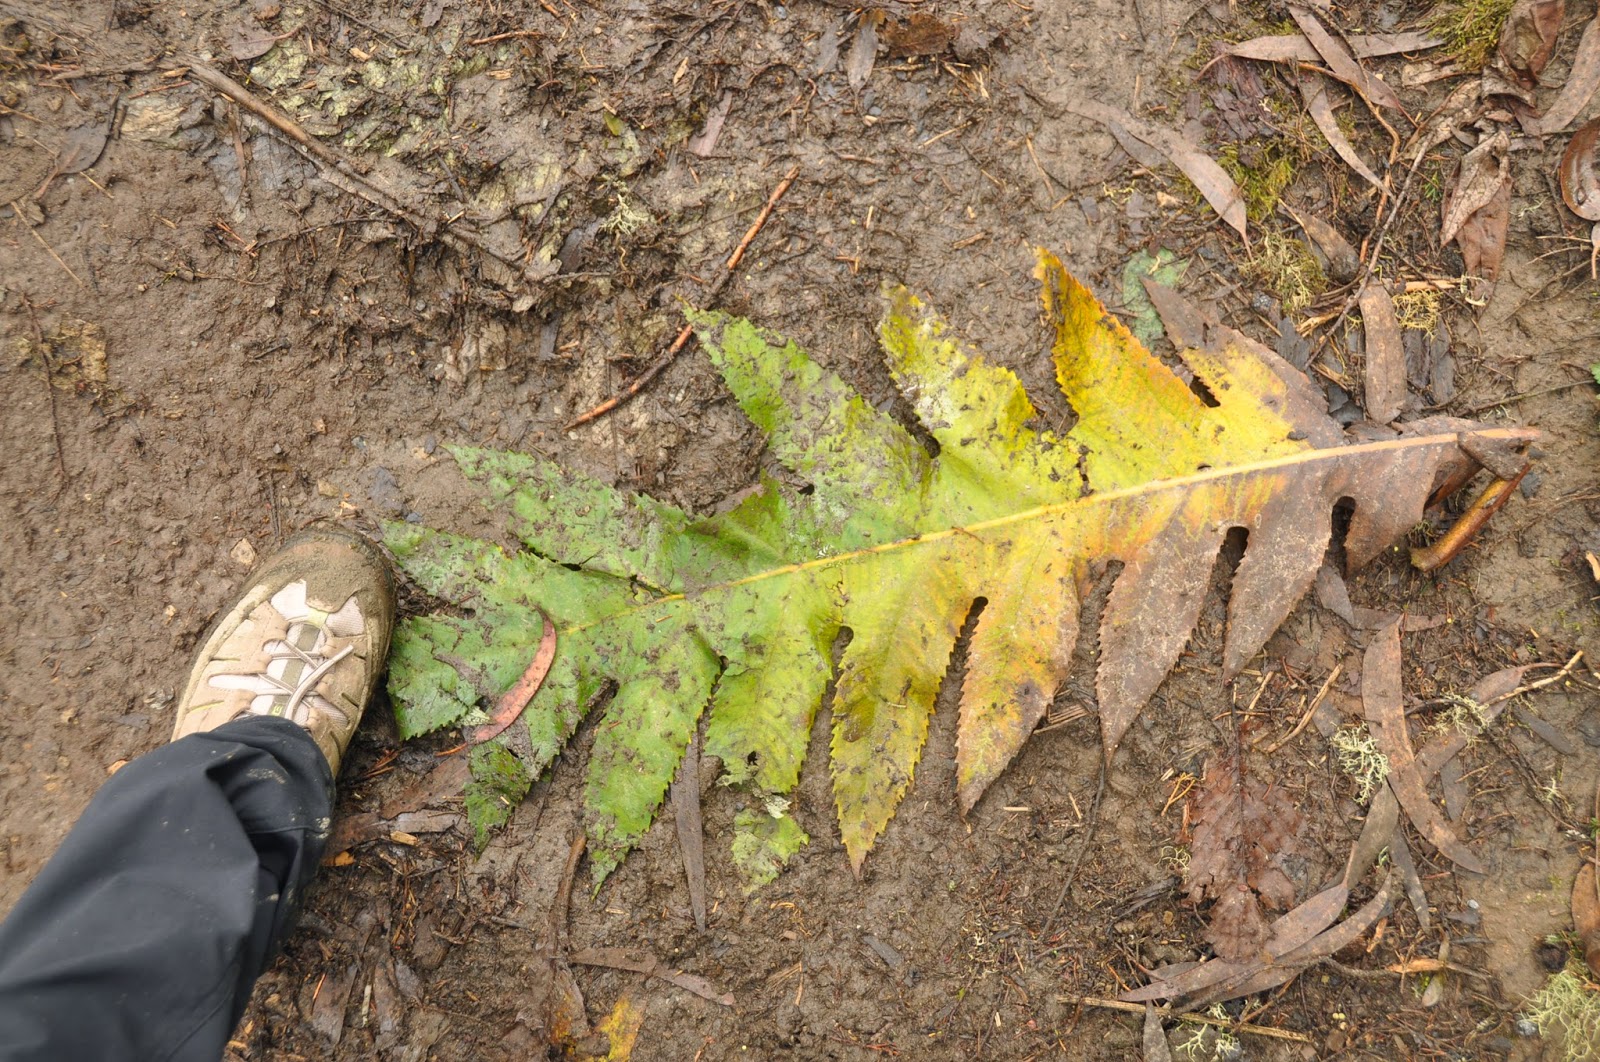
(234, 345)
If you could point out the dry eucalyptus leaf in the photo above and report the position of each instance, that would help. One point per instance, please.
(1342, 63)
(1582, 80)
(1294, 48)
(1209, 177)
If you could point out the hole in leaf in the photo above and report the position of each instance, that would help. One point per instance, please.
(1203, 393)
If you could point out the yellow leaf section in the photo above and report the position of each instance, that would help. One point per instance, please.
(990, 462)
(1021, 653)
(906, 608)
(1137, 422)
(621, 1028)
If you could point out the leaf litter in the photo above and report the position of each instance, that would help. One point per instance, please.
(1244, 828)
(1201, 169)
(737, 613)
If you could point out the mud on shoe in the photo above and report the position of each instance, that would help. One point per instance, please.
(306, 641)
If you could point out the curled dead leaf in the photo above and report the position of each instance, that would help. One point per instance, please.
(1580, 187)
(1530, 36)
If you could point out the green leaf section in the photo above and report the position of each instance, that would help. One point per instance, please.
(499, 782)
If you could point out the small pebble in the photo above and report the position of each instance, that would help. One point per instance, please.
(875, 111)
(413, 517)
(1261, 303)
(1527, 1028)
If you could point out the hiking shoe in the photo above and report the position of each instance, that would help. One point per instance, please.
(306, 641)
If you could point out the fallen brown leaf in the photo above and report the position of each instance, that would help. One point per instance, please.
(1294, 48)
(249, 40)
(1381, 698)
(1477, 212)
(1210, 178)
(1580, 187)
(1530, 36)
(515, 700)
(1384, 375)
(1342, 63)
(1582, 80)
(691, 832)
(918, 34)
(1243, 830)
(863, 50)
(704, 142)
(1156, 1048)
(1314, 91)
(1343, 262)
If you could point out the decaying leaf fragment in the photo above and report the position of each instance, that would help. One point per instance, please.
(1244, 828)
(735, 616)
(1477, 212)
(1529, 37)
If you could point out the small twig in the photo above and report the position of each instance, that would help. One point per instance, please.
(345, 174)
(509, 35)
(50, 389)
(687, 333)
(1077, 859)
(1360, 283)
(1316, 702)
(1193, 1019)
(1511, 399)
(17, 210)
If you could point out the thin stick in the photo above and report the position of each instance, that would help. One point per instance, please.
(687, 333)
(50, 389)
(341, 172)
(1316, 702)
(1494, 496)
(1512, 399)
(35, 234)
(1194, 1019)
(1377, 246)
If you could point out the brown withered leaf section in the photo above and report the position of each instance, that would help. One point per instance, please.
(1244, 828)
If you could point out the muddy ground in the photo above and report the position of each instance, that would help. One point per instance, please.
(238, 346)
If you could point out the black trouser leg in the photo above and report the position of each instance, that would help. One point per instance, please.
(143, 935)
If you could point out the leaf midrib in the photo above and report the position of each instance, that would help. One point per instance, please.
(1300, 459)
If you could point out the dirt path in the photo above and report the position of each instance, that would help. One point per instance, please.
(237, 346)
